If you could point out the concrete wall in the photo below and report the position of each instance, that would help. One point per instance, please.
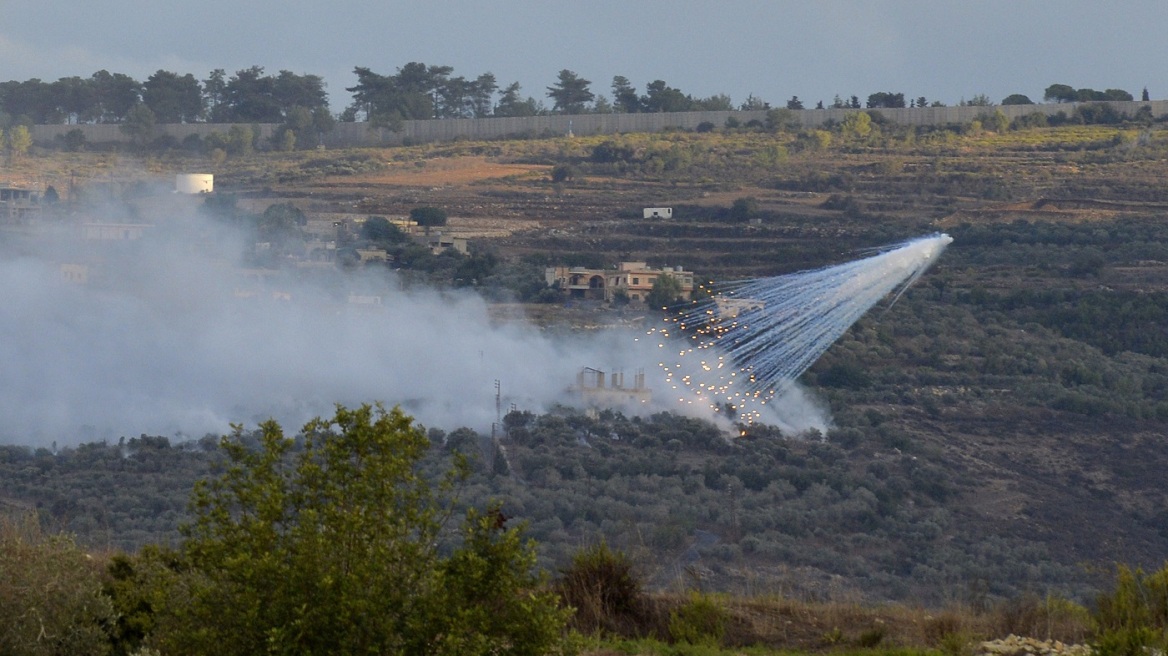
(361, 134)
(44, 135)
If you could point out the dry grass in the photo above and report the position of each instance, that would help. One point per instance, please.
(788, 625)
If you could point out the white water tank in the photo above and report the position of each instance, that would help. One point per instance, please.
(194, 183)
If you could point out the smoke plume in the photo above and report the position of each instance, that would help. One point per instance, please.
(167, 335)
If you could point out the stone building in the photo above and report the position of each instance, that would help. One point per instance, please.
(18, 203)
(633, 279)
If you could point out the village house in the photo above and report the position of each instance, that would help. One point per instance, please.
(600, 390)
(18, 204)
(437, 242)
(633, 279)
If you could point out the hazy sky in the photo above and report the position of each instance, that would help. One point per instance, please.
(940, 49)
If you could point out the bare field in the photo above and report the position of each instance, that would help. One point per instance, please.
(446, 171)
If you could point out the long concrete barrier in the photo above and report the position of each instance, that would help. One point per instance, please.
(440, 130)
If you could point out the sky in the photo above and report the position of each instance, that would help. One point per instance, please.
(940, 49)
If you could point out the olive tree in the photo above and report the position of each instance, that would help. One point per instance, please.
(19, 141)
(428, 217)
(139, 124)
(856, 125)
(666, 291)
(379, 229)
(334, 546)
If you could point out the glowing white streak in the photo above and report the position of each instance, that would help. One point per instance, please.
(776, 328)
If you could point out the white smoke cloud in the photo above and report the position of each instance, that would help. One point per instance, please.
(168, 336)
(159, 341)
(797, 411)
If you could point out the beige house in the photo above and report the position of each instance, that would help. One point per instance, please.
(634, 279)
(18, 204)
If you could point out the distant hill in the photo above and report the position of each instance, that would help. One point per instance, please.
(999, 430)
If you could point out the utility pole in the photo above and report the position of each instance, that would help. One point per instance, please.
(733, 511)
(498, 410)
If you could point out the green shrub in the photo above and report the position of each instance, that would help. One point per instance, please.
(330, 543)
(428, 216)
(872, 637)
(701, 620)
(51, 600)
(604, 591)
(563, 173)
(1132, 619)
(1051, 617)
(948, 633)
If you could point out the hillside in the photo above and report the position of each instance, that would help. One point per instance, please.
(999, 430)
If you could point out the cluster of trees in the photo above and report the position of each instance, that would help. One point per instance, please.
(415, 91)
(248, 96)
(1063, 93)
(344, 540)
(660, 97)
(338, 541)
(280, 228)
(481, 269)
(868, 503)
(878, 100)
(418, 91)
(1054, 93)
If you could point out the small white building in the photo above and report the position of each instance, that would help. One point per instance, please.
(658, 212)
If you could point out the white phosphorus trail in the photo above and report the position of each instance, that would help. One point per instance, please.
(745, 346)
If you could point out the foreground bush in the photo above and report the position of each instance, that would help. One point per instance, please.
(334, 548)
(51, 600)
(605, 593)
(700, 621)
(1132, 620)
